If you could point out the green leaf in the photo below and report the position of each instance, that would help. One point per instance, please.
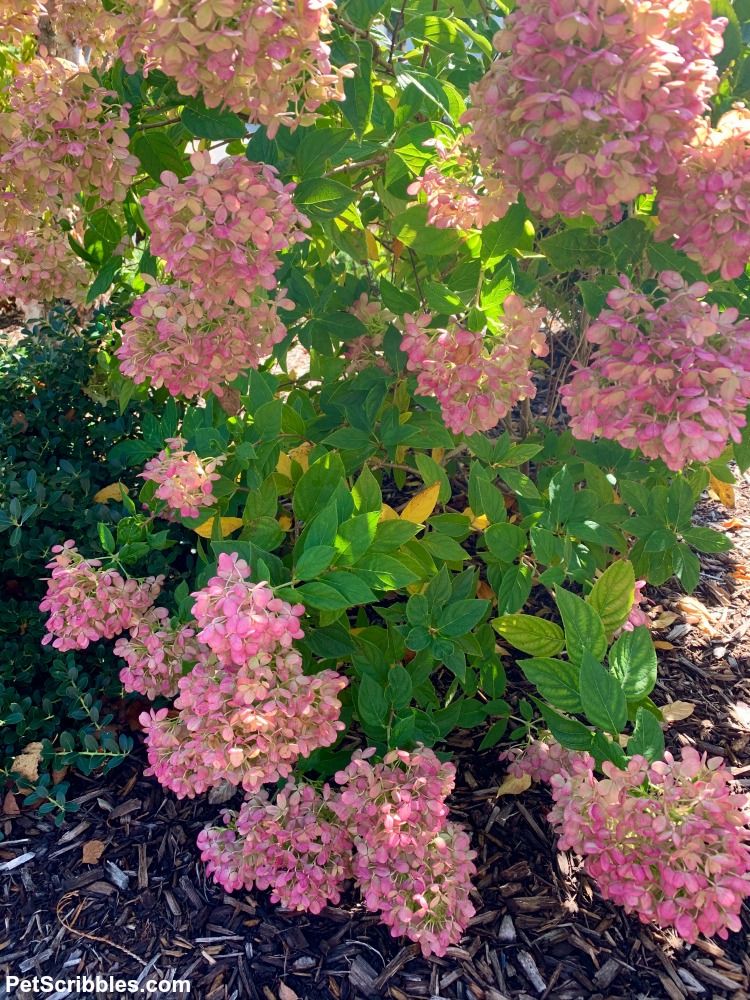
(632, 659)
(506, 541)
(488, 500)
(687, 566)
(648, 738)
(569, 733)
(211, 123)
(707, 540)
(561, 496)
(499, 238)
(602, 696)
(384, 572)
(556, 680)
(372, 707)
(680, 503)
(316, 486)
(359, 93)
(460, 617)
(314, 561)
(399, 690)
(317, 147)
(355, 536)
(321, 596)
(366, 493)
(103, 234)
(575, 250)
(106, 538)
(350, 586)
(532, 635)
(323, 197)
(514, 589)
(412, 230)
(627, 241)
(583, 627)
(157, 153)
(613, 594)
(732, 34)
(104, 279)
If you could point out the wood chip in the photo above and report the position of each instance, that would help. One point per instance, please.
(526, 960)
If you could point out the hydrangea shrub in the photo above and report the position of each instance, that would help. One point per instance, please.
(361, 251)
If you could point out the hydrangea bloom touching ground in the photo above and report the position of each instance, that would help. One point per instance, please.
(670, 374)
(669, 841)
(589, 104)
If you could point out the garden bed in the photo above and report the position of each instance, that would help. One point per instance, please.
(119, 890)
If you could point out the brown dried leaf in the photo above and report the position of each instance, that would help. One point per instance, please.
(286, 992)
(26, 764)
(10, 806)
(92, 851)
(676, 711)
(693, 611)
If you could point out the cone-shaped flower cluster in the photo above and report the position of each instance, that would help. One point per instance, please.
(246, 725)
(706, 205)
(668, 841)
(220, 232)
(387, 827)
(185, 481)
(294, 846)
(257, 58)
(474, 385)
(590, 103)
(220, 229)
(412, 864)
(670, 375)
(64, 135)
(155, 654)
(192, 349)
(39, 266)
(87, 602)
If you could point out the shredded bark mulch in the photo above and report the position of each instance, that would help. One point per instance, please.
(119, 889)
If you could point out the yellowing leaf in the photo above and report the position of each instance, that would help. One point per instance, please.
(301, 455)
(661, 644)
(514, 786)
(111, 492)
(676, 711)
(723, 492)
(437, 455)
(422, 505)
(284, 465)
(478, 523)
(285, 522)
(416, 588)
(228, 525)
(372, 246)
(388, 514)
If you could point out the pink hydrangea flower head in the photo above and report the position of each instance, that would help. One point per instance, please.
(670, 374)
(293, 846)
(38, 266)
(221, 229)
(637, 615)
(155, 654)
(87, 602)
(262, 59)
(706, 204)
(64, 136)
(543, 758)
(246, 725)
(457, 196)
(190, 348)
(476, 386)
(367, 350)
(587, 106)
(239, 619)
(423, 895)
(185, 481)
(667, 841)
